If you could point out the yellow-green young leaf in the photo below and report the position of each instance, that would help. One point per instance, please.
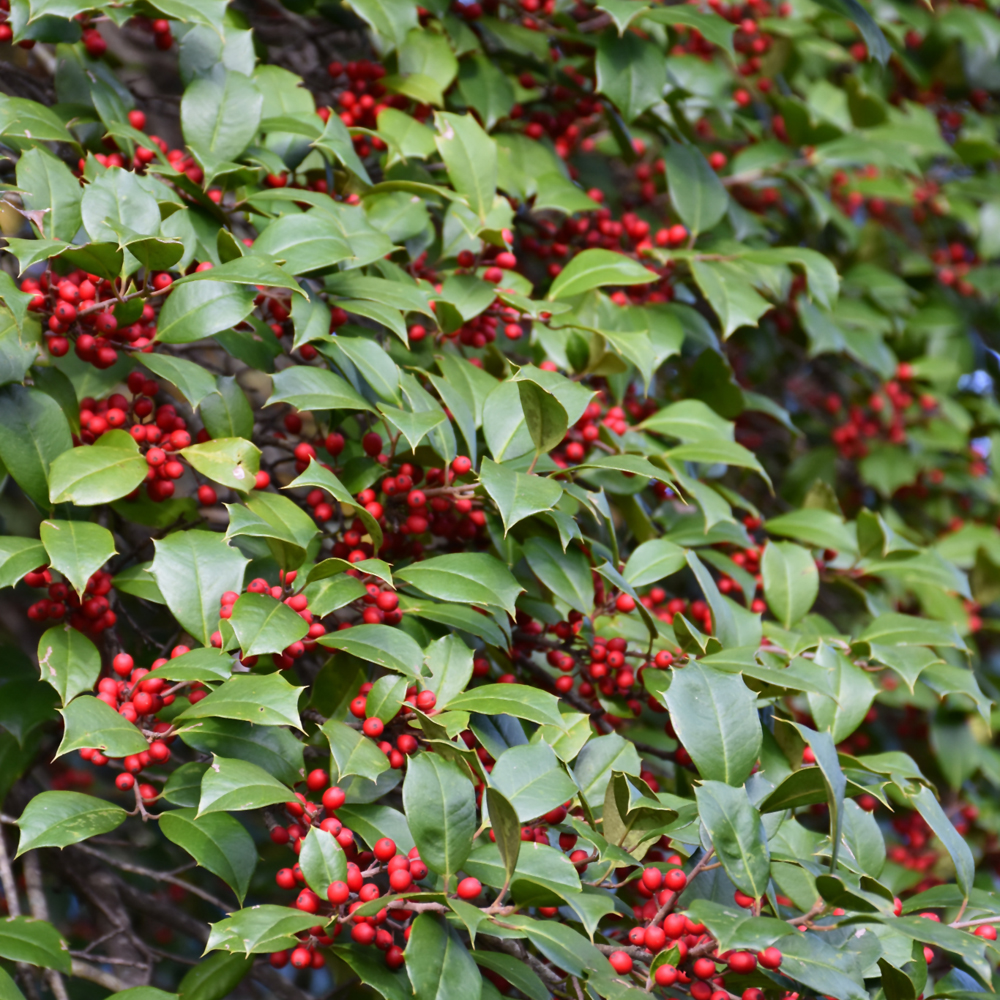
(68, 661)
(791, 581)
(264, 699)
(237, 785)
(470, 157)
(596, 268)
(217, 842)
(232, 462)
(260, 930)
(109, 469)
(737, 834)
(37, 942)
(308, 388)
(77, 549)
(440, 804)
(57, 819)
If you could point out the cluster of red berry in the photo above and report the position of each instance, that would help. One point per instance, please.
(90, 613)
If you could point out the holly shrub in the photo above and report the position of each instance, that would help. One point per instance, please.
(500, 499)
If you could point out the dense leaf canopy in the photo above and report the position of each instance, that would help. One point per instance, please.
(499, 499)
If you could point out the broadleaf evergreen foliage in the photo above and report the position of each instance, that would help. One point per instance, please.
(511, 511)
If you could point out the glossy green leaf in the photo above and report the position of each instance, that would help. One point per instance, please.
(57, 819)
(382, 644)
(109, 469)
(737, 834)
(791, 581)
(715, 717)
(517, 495)
(197, 310)
(322, 860)
(219, 117)
(193, 569)
(696, 192)
(237, 785)
(36, 433)
(37, 942)
(595, 269)
(77, 549)
(68, 661)
(259, 930)
(532, 780)
(440, 805)
(521, 701)
(352, 752)
(217, 842)
(439, 965)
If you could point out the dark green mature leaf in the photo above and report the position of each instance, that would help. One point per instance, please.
(57, 819)
(264, 699)
(109, 469)
(715, 717)
(517, 973)
(68, 661)
(260, 930)
(827, 761)
(567, 574)
(90, 722)
(631, 72)
(304, 243)
(928, 806)
(219, 117)
(561, 945)
(204, 664)
(818, 966)
(322, 860)
(465, 577)
(544, 415)
(36, 432)
(853, 692)
(215, 977)
(217, 842)
(236, 785)
(37, 942)
(193, 569)
(449, 661)
(440, 805)
(876, 42)
(737, 834)
(49, 186)
(439, 965)
(272, 748)
(198, 309)
(506, 826)
(318, 475)
(696, 192)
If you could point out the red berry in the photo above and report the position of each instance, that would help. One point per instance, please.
(769, 958)
(675, 880)
(301, 959)
(338, 892)
(666, 975)
(333, 798)
(317, 780)
(373, 727)
(652, 879)
(742, 962)
(384, 849)
(469, 888)
(285, 878)
(621, 962)
(122, 664)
